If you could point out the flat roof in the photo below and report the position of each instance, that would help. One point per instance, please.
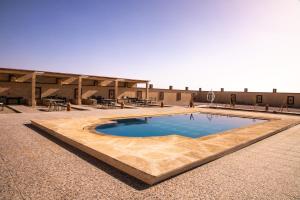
(60, 74)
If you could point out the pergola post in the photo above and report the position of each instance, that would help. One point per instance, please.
(33, 85)
(147, 90)
(79, 90)
(116, 90)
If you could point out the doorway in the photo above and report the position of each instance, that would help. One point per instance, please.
(139, 95)
(111, 94)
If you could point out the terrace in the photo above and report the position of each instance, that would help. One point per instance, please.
(30, 157)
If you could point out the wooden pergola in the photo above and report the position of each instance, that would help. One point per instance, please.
(67, 78)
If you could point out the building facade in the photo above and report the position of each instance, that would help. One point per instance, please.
(30, 87)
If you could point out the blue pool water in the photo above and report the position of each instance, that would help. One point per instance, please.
(189, 125)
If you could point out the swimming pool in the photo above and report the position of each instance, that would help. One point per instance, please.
(189, 125)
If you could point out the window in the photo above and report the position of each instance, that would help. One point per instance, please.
(178, 96)
(111, 94)
(290, 100)
(259, 99)
(161, 96)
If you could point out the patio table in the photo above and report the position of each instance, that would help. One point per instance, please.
(144, 101)
(107, 102)
(55, 100)
(53, 103)
(127, 100)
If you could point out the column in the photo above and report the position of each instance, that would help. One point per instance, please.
(147, 90)
(79, 91)
(116, 90)
(33, 85)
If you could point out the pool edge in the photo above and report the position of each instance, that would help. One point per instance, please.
(142, 175)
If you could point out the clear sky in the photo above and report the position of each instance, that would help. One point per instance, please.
(196, 43)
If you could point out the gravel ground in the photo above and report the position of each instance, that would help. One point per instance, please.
(34, 165)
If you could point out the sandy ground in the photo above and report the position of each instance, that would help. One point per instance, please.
(6, 110)
(34, 165)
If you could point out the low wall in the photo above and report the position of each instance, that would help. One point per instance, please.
(250, 98)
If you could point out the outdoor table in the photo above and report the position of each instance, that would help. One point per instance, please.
(127, 100)
(132, 99)
(144, 101)
(55, 100)
(107, 101)
(52, 102)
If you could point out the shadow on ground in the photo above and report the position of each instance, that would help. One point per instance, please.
(125, 178)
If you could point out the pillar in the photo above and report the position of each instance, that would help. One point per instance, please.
(79, 91)
(147, 89)
(33, 85)
(116, 90)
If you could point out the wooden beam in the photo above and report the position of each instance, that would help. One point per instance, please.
(105, 82)
(23, 78)
(65, 81)
(79, 91)
(147, 90)
(9, 71)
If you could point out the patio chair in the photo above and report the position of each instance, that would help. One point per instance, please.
(50, 107)
(99, 99)
(61, 106)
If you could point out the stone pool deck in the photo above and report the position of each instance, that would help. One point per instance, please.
(153, 159)
(35, 165)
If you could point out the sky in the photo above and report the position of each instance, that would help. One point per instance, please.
(208, 44)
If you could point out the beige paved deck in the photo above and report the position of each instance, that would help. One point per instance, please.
(6, 110)
(34, 165)
(23, 109)
(153, 159)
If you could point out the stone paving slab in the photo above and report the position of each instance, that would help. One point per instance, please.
(153, 159)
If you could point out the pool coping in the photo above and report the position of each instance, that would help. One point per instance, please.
(186, 156)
